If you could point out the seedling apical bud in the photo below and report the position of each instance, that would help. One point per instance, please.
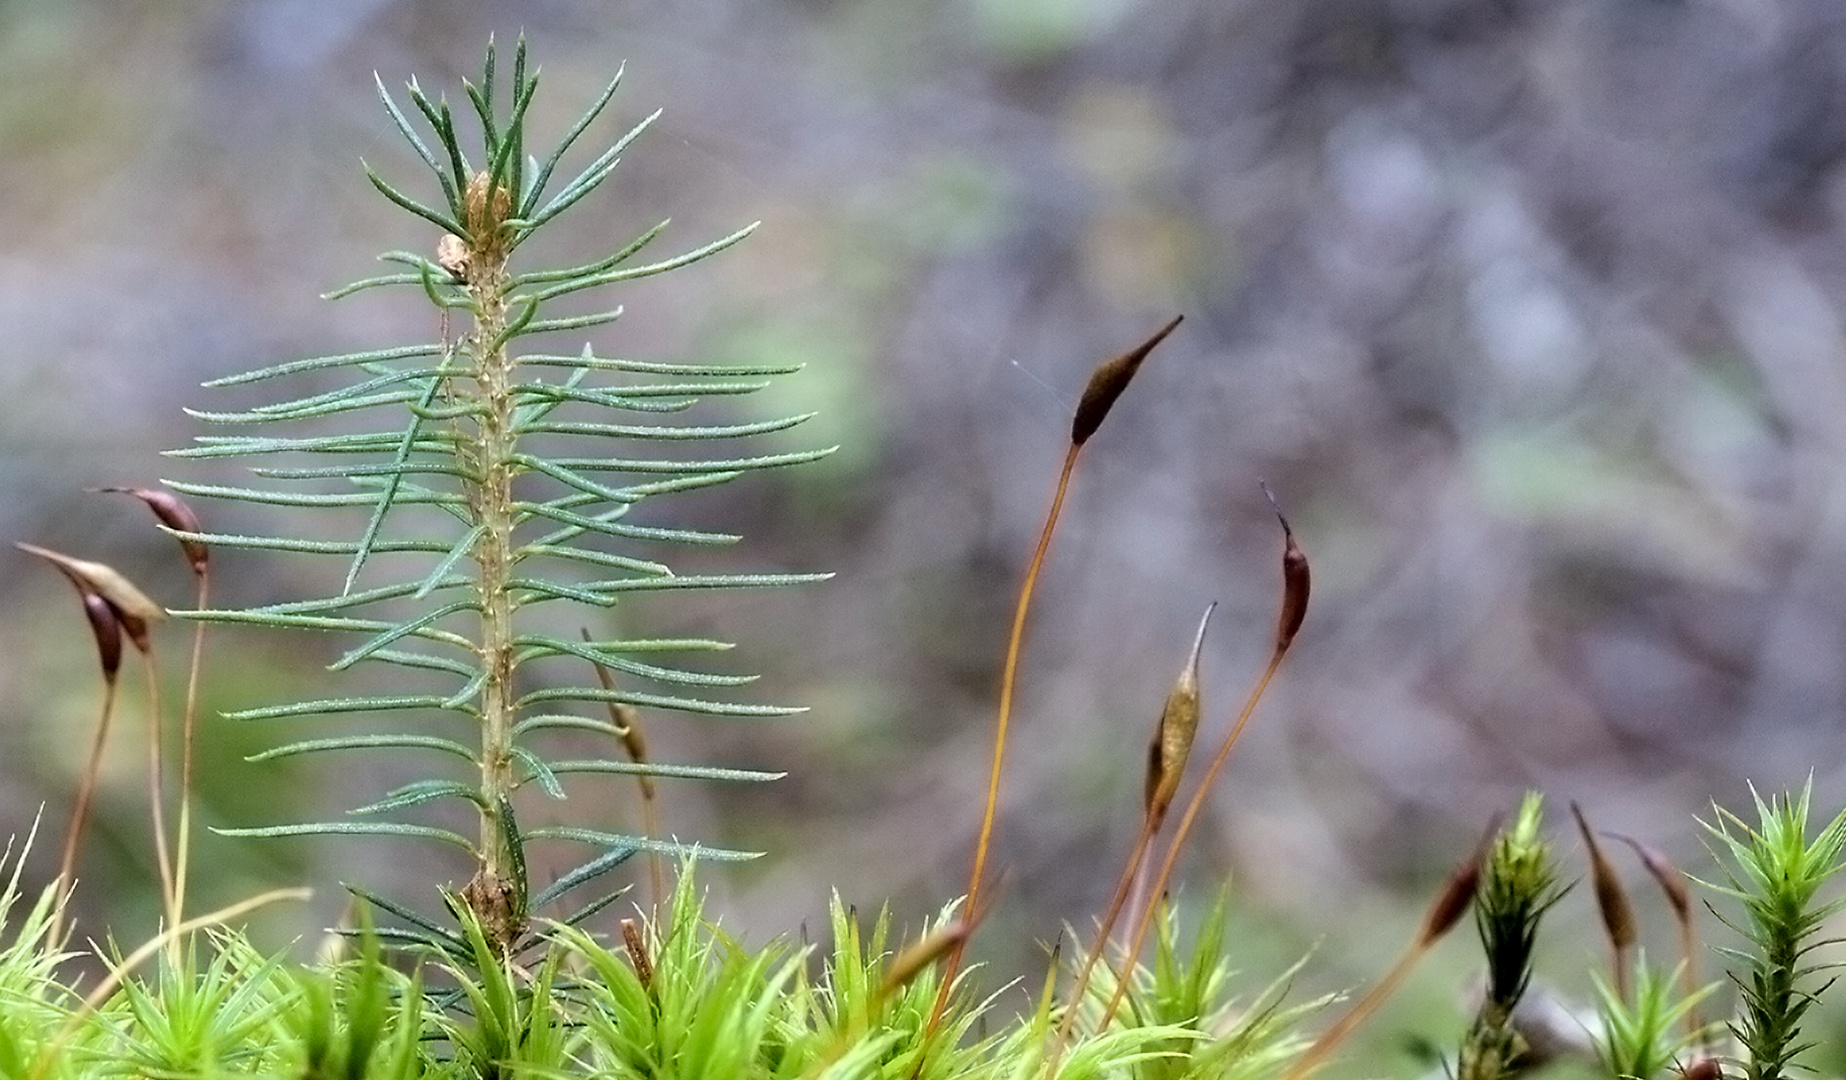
(1179, 722)
(175, 515)
(485, 214)
(1107, 383)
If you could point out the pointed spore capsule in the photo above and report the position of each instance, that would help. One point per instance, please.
(1107, 383)
(1295, 581)
(107, 630)
(1179, 722)
(172, 512)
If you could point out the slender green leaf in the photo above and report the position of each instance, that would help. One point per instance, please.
(650, 367)
(538, 277)
(629, 397)
(568, 322)
(407, 442)
(579, 875)
(318, 363)
(656, 701)
(394, 397)
(660, 431)
(540, 645)
(401, 630)
(643, 465)
(364, 742)
(369, 596)
(302, 498)
(610, 277)
(363, 828)
(416, 143)
(319, 622)
(598, 838)
(418, 793)
(616, 528)
(433, 216)
(359, 471)
(544, 172)
(536, 769)
(434, 579)
(332, 706)
(707, 581)
(310, 547)
(669, 772)
(419, 921)
(587, 180)
(369, 443)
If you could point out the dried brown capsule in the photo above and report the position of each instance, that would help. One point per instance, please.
(132, 607)
(1671, 879)
(1452, 902)
(1172, 742)
(1107, 383)
(1294, 581)
(108, 631)
(914, 958)
(176, 515)
(637, 953)
(1611, 898)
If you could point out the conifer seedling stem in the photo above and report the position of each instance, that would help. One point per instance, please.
(494, 894)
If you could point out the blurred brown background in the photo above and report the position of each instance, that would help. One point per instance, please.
(1529, 310)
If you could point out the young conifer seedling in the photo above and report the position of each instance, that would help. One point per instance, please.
(500, 489)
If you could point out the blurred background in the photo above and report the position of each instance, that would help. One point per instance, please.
(1530, 312)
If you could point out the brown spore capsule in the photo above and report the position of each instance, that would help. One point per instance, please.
(1452, 902)
(1107, 383)
(1611, 898)
(1179, 723)
(108, 632)
(172, 512)
(132, 607)
(637, 953)
(1295, 581)
(913, 959)
(1671, 879)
